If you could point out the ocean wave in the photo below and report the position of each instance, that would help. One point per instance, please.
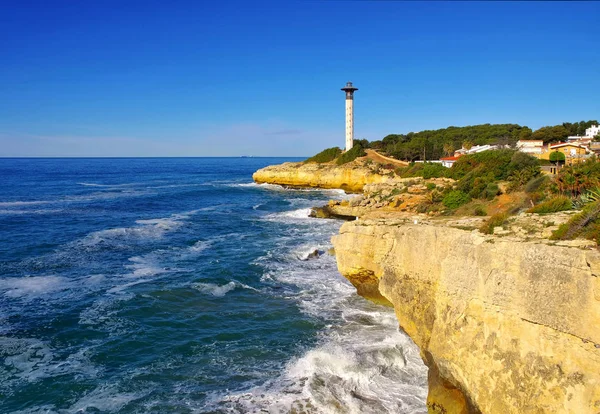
(294, 215)
(145, 229)
(374, 371)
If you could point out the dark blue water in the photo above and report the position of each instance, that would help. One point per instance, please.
(179, 286)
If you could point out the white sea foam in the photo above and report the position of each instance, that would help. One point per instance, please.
(31, 287)
(200, 246)
(22, 203)
(293, 215)
(106, 399)
(29, 360)
(108, 185)
(31, 212)
(145, 229)
(214, 289)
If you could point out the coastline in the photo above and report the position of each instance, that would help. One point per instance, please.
(505, 323)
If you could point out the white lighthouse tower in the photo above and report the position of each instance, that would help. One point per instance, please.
(349, 89)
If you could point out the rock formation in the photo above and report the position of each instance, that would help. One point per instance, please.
(504, 325)
(351, 177)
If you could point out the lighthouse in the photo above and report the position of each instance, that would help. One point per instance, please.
(349, 89)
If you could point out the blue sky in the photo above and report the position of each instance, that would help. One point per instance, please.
(157, 78)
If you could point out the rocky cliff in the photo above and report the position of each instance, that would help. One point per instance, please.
(504, 325)
(351, 177)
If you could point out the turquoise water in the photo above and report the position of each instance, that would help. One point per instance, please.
(179, 286)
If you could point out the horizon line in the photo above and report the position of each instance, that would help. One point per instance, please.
(136, 156)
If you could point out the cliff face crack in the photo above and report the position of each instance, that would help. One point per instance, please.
(585, 340)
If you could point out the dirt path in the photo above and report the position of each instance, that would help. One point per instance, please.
(382, 159)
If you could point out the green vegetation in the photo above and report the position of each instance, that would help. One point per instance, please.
(557, 157)
(335, 153)
(428, 145)
(585, 224)
(561, 132)
(536, 184)
(577, 179)
(326, 155)
(496, 220)
(479, 211)
(348, 156)
(456, 198)
(435, 144)
(560, 203)
(478, 174)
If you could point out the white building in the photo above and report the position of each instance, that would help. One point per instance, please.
(474, 149)
(530, 146)
(592, 131)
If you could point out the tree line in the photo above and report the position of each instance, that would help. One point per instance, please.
(435, 144)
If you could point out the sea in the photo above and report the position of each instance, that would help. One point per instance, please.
(177, 285)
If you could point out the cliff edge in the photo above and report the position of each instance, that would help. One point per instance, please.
(351, 177)
(504, 325)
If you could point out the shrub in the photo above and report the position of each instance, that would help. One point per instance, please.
(412, 170)
(496, 220)
(536, 183)
(479, 211)
(455, 199)
(351, 155)
(522, 161)
(491, 191)
(556, 156)
(326, 155)
(553, 205)
(585, 224)
(474, 172)
(434, 170)
(578, 178)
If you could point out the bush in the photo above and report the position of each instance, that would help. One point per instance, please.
(585, 224)
(455, 199)
(496, 220)
(412, 170)
(480, 211)
(536, 183)
(434, 170)
(351, 155)
(556, 156)
(553, 205)
(326, 155)
(491, 191)
(474, 172)
(430, 186)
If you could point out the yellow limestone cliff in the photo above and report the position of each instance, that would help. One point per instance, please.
(350, 177)
(504, 325)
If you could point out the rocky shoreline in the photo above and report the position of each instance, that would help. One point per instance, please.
(506, 323)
